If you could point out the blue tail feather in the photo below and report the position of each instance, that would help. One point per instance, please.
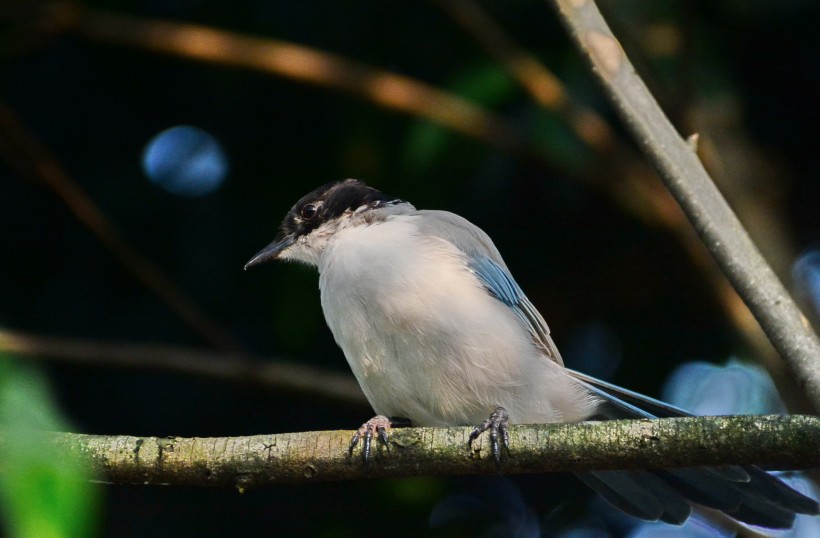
(744, 492)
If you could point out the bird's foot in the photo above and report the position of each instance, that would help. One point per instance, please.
(378, 426)
(499, 436)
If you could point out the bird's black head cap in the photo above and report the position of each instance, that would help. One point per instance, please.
(328, 202)
(324, 204)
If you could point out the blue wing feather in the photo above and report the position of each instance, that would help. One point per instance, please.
(501, 285)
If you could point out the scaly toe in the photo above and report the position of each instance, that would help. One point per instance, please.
(378, 425)
(499, 434)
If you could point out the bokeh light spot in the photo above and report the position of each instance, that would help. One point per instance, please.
(734, 389)
(185, 161)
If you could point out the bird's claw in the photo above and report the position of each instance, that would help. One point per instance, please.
(378, 426)
(497, 424)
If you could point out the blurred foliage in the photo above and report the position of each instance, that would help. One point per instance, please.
(44, 491)
(615, 291)
(426, 143)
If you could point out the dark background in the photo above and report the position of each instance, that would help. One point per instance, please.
(623, 298)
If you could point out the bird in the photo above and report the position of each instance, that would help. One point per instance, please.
(438, 333)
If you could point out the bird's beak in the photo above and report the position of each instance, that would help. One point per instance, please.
(272, 251)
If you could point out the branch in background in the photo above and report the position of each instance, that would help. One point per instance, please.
(281, 58)
(30, 159)
(685, 177)
(309, 65)
(784, 442)
(741, 171)
(627, 179)
(270, 373)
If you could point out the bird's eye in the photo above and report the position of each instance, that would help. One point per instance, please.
(308, 212)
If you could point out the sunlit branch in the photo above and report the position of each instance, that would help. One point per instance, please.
(685, 177)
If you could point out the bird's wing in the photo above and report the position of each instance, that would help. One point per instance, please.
(485, 262)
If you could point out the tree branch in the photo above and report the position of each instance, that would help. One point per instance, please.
(785, 442)
(685, 177)
(274, 374)
(627, 179)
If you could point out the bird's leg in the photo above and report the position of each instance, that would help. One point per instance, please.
(378, 425)
(497, 424)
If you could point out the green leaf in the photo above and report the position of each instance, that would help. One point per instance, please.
(44, 491)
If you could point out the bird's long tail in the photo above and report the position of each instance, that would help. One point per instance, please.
(744, 492)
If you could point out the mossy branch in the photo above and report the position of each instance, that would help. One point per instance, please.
(783, 442)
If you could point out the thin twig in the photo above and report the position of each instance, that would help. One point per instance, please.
(783, 442)
(685, 177)
(30, 159)
(276, 374)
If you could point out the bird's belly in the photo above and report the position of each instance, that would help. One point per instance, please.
(426, 355)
